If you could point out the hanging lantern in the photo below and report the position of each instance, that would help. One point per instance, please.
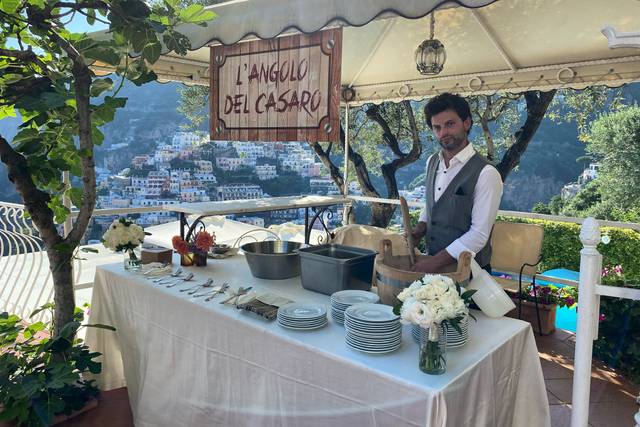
(430, 55)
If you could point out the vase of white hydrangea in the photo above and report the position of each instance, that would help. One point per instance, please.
(125, 236)
(429, 303)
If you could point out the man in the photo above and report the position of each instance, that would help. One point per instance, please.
(463, 190)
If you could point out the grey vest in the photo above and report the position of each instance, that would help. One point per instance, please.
(450, 217)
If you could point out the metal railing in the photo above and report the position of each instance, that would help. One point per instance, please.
(23, 264)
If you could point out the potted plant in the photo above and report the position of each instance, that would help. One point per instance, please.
(193, 250)
(549, 299)
(41, 375)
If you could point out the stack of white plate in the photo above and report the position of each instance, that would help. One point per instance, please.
(302, 316)
(454, 338)
(342, 300)
(372, 328)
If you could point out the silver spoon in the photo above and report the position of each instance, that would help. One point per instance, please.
(176, 273)
(224, 287)
(207, 284)
(196, 286)
(183, 279)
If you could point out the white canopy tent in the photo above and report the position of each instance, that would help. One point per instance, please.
(505, 45)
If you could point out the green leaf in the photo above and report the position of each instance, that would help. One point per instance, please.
(47, 306)
(91, 16)
(7, 111)
(97, 137)
(75, 194)
(92, 250)
(151, 51)
(195, 14)
(9, 6)
(468, 294)
(100, 326)
(69, 330)
(101, 85)
(106, 55)
(396, 309)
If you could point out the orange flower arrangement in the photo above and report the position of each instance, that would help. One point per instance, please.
(201, 243)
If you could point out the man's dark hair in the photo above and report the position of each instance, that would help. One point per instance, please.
(447, 101)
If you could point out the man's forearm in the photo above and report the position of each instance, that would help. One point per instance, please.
(419, 231)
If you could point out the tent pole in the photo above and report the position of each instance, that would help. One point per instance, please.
(345, 190)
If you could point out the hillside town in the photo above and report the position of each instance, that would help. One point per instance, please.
(193, 169)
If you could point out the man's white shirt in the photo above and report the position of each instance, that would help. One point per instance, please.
(486, 201)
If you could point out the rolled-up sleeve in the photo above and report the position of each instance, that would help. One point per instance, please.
(486, 202)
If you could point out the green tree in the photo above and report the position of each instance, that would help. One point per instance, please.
(47, 77)
(613, 141)
(541, 208)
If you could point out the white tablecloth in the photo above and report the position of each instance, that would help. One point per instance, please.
(190, 363)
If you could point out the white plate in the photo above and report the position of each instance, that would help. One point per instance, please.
(302, 324)
(370, 351)
(351, 296)
(367, 335)
(374, 343)
(372, 346)
(302, 311)
(372, 313)
(303, 329)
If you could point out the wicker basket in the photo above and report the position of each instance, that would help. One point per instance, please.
(393, 273)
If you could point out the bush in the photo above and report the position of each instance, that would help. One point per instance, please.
(41, 376)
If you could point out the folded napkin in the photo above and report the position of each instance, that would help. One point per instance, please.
(265, 305)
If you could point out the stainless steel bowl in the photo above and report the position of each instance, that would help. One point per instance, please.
(273, 259)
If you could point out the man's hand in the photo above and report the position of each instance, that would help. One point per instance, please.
(418, 232)
(434, 264)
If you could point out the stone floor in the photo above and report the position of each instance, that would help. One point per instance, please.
(612, 401)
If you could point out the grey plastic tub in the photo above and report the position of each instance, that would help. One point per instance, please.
(331, 268)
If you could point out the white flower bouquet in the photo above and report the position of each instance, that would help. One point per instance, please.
(433, 299)
(428, 303)
(123, 235)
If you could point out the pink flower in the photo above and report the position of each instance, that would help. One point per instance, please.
(602, 317)
(569, 301)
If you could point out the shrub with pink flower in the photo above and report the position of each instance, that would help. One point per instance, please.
(562, 296)
(613, 275)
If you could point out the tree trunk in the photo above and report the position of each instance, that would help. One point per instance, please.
(537, 105)
(381, 214)
(64, 298)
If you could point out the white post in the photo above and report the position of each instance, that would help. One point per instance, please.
(588, 302)
(345, 190)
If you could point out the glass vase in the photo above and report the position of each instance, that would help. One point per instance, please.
(433, 350)
(132, 260)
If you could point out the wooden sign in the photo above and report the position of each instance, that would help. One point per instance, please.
(284, 89)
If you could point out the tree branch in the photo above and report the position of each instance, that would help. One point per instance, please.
(24, 55)
(82, 85)
(36, 201)
(537, 105)
(373, 113)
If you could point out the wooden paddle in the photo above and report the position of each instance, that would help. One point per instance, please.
(406, 220)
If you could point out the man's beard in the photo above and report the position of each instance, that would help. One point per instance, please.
(452, 142)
